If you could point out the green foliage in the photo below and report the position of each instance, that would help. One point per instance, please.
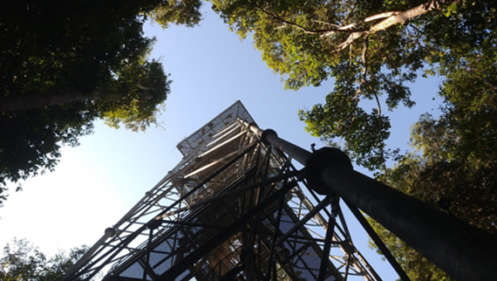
(304, 42)
(299, 40)
(22, 261)
(65, 63)
(457, 187)
(341, 117)
(140, 88)
(454, 169)
(186, 12)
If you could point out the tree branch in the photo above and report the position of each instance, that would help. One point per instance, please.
(390, 19)
(378, 103)
(22, 103)
(364, 57)
(291, 23)
(363, 80)
(364, 72)
(323, 32)
(490, 85)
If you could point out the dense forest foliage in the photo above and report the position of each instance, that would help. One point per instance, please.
(64, 64)
(23, 261)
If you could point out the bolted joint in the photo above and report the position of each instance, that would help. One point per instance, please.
(253, 125)
(153, 224)
(329, 159)
(267, 135)
(110, 231)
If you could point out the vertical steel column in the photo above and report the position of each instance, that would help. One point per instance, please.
(329, 236)
(464, 252)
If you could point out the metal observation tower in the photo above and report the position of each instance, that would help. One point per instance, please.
(235, 208)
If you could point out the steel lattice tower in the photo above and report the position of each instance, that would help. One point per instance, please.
(234, 208)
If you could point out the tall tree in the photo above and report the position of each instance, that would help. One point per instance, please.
(22, 261)
(65, 63)
(371, 50)
(454, 166)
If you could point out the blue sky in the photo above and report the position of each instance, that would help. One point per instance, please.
(98, 181)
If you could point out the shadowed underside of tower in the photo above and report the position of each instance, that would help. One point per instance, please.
(233, 208)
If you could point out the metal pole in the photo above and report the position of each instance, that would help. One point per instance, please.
(329, 236)
(464, 252)
(379, 243)
(295, 152)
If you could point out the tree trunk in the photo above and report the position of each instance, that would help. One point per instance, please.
(24, 103)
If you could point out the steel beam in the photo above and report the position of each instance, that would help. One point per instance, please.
(379, 243)
(464, 252)
(177, 269)
(329, 236)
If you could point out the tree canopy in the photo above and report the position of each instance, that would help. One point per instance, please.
(453, 167)
(22, 261)
(370, 49)
(64, 64)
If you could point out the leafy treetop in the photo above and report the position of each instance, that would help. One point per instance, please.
(370, 49)
(22, 261)
(65, 63)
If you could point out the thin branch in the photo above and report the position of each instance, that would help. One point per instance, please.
(364, 72)
(378, 104)
(291, 23)
(416, 29)
(490, 85)
(354, 6)
(363, 80)
(390, 19)
(323, 32)
(364, 57)
(414, 35)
